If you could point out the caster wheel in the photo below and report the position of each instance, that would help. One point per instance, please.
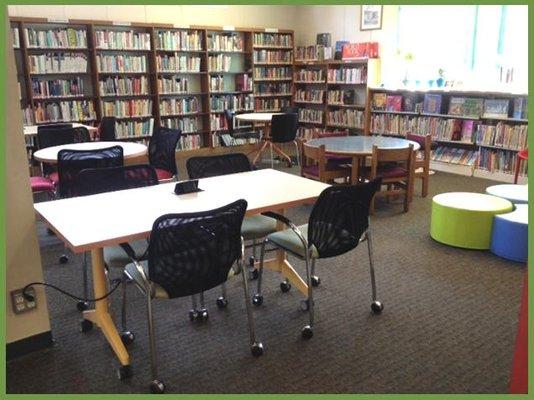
(256, 349)
(82, 305)
(377, 307)
(124, 372)
(253, 274)
(307, 332)
(157, 387)
(315, 281)
(257, 299)
(193, 315)
(127, 337)
(285, 286)
(222, 302)
(63, 259)
(203, 315)
(305, 305)
(86, 325)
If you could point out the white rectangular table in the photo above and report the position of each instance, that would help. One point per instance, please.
(93, 222)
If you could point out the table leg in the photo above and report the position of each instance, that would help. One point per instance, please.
(265, 138)
(355, 170)
(100, 315)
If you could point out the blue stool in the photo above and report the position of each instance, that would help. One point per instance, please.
(509, 237)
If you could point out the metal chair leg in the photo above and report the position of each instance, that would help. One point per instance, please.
(297, 152)
(84, 305)
(272, 159)
(315, 280)
(307, 330)
(203, 312)
(222, 301)
(156, 386)
(257, 299)
(127, 336)
(376, 306)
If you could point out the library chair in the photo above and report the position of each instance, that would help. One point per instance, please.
(289, 110)
(100, 180)
(49, 136)
(284, 130)
(254, 228)
(338, 222)
(106, 129)
(422, 160)
(315, 165)
(189, 254)
(162, 152)
(69, 165)
(521, 156)
(396, 168)
(229, 117)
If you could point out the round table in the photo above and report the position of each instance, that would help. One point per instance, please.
(256, 117)
(49, 155)
(359, 147)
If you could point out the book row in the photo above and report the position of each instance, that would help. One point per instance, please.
(311, 115)
(307, 133)
(218, 122)
(342, 97)
(65, 111)
(454, 155)
(122, 40)
(499, 161)
(173, 85)
(224, 139)
(190, 142)
(177, 63)
(119, 86)
(310, 75)
(28, 117)
(220, 62)
(270, 39)
(179, 40)
(313, 53)
(133, 129)
(50, 63)
(346, 118)
(273, 56)
(180, 106)
(348, 75)
(186, 125)
(121, 63)
(232, 102)
(127, 108)
(15, 36)
(272, 73)
(57, 88)
(225, 42)
(513, 137)
(270, 104)
(310, 96)
(272, 88)
(55, 38)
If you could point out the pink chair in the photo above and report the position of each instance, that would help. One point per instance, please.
(522, 155)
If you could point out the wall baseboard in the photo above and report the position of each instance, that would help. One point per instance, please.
(28, 345)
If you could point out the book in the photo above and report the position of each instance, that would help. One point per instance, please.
(393, 103)
(432, 103)
(468, 128)
(456, 133)
(473, 107)
(496, 108)
(520, 108)
(339, 48)
(456, 106)
(324, 39)
(379, 101)
(408, 102)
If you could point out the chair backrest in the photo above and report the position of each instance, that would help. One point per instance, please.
(162, 149)
(71, 162)
(313, 155)
(191, 253)
(290, 110)
(81, 134)
(205, 167)
(425, 143)
(229, 116)
(401, 157)
(100, 180)
(107, 129)
(340, 216)
(284, 127)
(54, 135)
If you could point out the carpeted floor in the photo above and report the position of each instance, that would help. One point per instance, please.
(448, 326)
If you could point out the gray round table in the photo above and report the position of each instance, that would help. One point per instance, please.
(359, 147)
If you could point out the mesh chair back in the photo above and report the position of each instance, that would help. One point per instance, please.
(205, 167)
(162, 149)
(290, 110)
(101, 180)
(340, 217)
(107, 129)
(284, 127)
(229, 116)
(192, 253)
(71, 162)
(81, 134)
(54, 135)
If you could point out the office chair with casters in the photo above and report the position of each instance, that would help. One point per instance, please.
(338, 222)
(69, 165)
(254, 228)
(189, 254)
(100, 180)
(229, 116)
(49, 136)
(106, 129)
(284, 130)
(162, 152)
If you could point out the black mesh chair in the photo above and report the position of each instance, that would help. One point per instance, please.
(338, 222)
(81, 134)
(254, 228)
(187, 255)
(53, 135)
(290, 110)
(107, 129)
(162, 152)
(229, 116)
(100, 180)
(284, 130)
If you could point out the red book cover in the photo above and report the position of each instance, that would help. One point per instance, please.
(394, 103)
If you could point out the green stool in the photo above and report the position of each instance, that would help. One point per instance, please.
(465, 219)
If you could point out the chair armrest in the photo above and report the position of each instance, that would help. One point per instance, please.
(291, 225)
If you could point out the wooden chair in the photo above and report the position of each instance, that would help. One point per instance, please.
(316, 166)
(422, 160)
(396, 168)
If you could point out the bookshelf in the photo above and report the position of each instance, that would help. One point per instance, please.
(476, 133)
(332, 94)
(150, 75)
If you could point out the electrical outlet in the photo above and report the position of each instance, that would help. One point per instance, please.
(20, 304)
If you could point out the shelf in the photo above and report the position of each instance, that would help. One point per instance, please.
(227, 72)
(59, 73)
(388, 134)
(310, 122)
(507, 119)
(497, 147)
(271, 79)
(129, 50)
(125, 95)
(394, 112)
(182, 94)
(181, 72)
(133, 137)
(236, 111)
(344, 126)
(346, 83)
(123, 73)
(449, 116)
(60, 121)
(459, 142)
(308, 102)
(273, 95)
(311, 82)
(228, 52)
(60, 98)
(193, 114)
(460, 169)
(131, 117)
(357, 106)
(272, 63)
(498, 176)
(179, 51)
(262, 46)
(232, 92)
(60, 49)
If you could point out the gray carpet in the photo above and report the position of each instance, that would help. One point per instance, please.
(448, 326)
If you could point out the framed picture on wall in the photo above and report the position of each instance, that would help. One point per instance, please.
(370, 17)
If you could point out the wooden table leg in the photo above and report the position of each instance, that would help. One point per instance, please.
(100, 315)
(265, 138)
(355, 170)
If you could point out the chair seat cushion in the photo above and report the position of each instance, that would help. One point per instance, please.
(163, 174)
(54, 177)
(388, 172)
(288, 240)
(158, 292)
(330, 167)
(115, 257)
(40, 184)
(257, 226)
(338, 159)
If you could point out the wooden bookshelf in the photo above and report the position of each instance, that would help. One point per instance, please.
(150, 81)
(474, 144)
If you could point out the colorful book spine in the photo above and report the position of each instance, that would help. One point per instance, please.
(173, 85)
(179, 40)
(188, 105)
(346, 118)
(123, 86)
(232, 102)
(273, 39)
(122, 40)
(121, 63)
(273, 88)
(127, 108)
(134, 129)
(186, 124)
(65, 111)
(310, 75)
(270, 104)
(272, 56)
(357, 75)
(310, 115)
(54, 63)
(177, 63)
(309, 96)
(55, 38)
(219, 63)
(43, 89)
(272, 73)
(225, 42)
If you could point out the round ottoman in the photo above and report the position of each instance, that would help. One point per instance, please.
(517, 194)
(509, 237)
(464, 219)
